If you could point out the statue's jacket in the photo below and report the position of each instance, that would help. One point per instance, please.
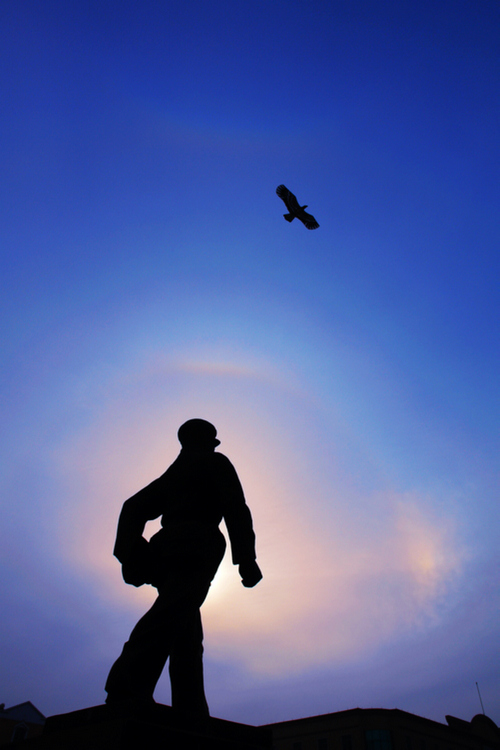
(193, 496)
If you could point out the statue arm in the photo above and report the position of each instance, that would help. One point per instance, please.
(238, 520)
(142, 507)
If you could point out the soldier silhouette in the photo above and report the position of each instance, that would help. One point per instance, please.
(195, 493)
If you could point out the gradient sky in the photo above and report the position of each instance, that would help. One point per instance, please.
(352, 372)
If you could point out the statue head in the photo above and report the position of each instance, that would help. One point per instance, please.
(198, 434)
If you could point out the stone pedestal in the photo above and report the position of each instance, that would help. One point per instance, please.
(135, 726)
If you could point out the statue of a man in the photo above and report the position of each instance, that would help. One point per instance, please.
(196, 492)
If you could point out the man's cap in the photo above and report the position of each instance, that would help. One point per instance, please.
(197, 432)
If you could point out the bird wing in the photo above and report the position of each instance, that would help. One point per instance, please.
(308, 220)
(288, 199)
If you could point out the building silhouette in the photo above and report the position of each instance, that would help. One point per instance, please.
(20, 722)
(145, 726)
(384, 729)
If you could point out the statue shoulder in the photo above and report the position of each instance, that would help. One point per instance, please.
(221, 460)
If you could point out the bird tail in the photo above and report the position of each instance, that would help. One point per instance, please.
(289, 217)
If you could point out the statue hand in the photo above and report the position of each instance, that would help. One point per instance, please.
(250, 574)
(135, 567)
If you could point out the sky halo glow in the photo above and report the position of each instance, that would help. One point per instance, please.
(352, 372)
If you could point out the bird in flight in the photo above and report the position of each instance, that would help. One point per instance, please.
(295, 210)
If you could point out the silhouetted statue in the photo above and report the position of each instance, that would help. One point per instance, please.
(196, 492)
(296, 211)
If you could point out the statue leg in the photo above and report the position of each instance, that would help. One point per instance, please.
(186, 665)
(189, 591)
(172, 627)
(137, 670)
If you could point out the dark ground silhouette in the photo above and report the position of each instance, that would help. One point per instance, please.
(196, 492)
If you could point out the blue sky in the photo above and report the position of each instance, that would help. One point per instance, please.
(352, 372)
